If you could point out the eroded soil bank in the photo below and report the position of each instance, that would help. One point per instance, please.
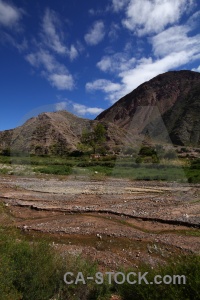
(115, 222)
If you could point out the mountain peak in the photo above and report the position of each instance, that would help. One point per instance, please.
(176, 94)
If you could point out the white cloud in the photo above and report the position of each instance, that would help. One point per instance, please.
(103, 85)
(193, 21)
(172, 49)
(72, 52)
(105, 63)
(45, 59)
(53, 37)
(149, 68)
(10, 26)
(50, 45)
(175, 39)
(92, 12)
(95, 34)
(114, 31)
(116, 63)
(9, 14)
(119, 4)
(145, 69)
(152, 16)
(60, 106)
(196, 69)
(6, 38)
(77, 109)
(62, 81)
(56, 73)
(96, 12)
(52, 34)
(82, 110)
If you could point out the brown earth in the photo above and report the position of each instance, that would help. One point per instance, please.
(166, 106)
(54, 133)
(114, 222)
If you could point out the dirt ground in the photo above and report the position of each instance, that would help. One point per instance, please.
(114, 222)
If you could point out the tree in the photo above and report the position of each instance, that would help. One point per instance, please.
(94, 138)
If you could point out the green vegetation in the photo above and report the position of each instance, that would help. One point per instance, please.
(193, 172)
(6, 152)
(144, 166)
(93, 139)
(4, 171)
(33, 270)
(147, 151)
(188, 266)
(57, 170)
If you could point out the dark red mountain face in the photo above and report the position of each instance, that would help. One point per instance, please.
(175, 94)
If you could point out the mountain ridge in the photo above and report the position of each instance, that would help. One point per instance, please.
(176, 92)
(168, 105)
(53, 133)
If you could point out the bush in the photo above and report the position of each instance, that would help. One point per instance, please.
(6, 152)
(88, 291)
(138, 160)
(28, 270)
(187, 265)
(34, 271)
(76, 153)
(194, 179)
(147, 151)
(4, 171)
(193, 172)
(195, 164)
(56, 170)
(183, 149)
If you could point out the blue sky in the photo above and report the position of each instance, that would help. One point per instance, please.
(83, 56)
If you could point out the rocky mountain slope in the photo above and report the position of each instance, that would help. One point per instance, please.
(166, 106)
(54, 133)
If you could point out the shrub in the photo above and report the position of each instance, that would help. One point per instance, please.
(4, 171)
(187, 265)
(183, 149)
(88, 291)
(57, 170)
(6, 152)
(147, 151)
(138, 160)
(195, 164)
(31, 271)
(76, 153)
(194, 179)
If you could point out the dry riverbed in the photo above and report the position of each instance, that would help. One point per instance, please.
(115, 222)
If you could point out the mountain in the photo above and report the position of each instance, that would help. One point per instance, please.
(54, 133)
(167, 106)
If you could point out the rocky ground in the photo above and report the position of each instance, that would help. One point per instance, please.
(114, 222)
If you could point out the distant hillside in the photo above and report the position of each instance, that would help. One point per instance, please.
(176, 95)
(54, 133)
(166, 106)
